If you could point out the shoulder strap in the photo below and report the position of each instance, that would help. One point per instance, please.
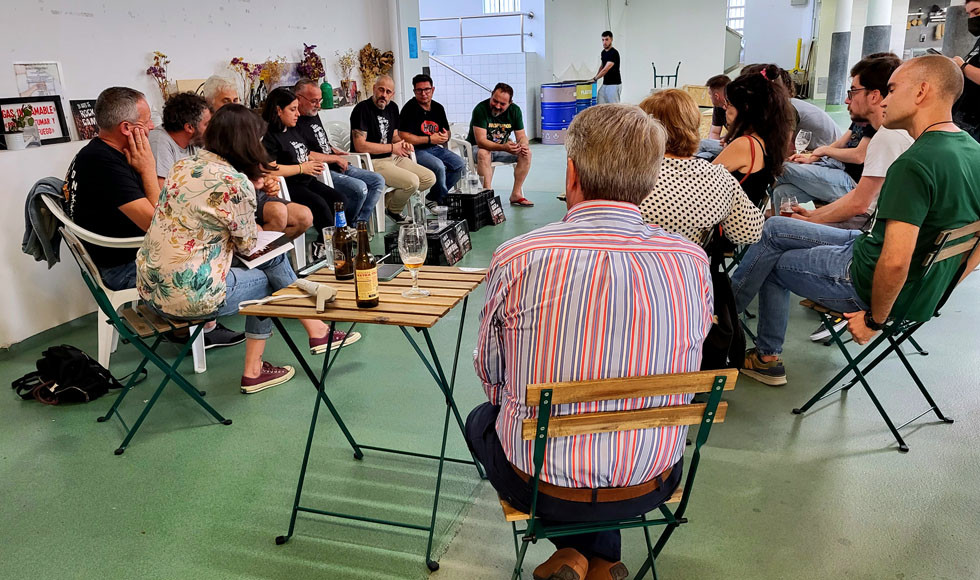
(751, 162)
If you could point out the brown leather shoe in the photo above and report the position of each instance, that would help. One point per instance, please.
(600, 569)
(565, 564)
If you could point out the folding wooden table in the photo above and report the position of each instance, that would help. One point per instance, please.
(448, 287)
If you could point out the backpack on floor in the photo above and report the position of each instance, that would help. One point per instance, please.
(724, 347)
(65, 374)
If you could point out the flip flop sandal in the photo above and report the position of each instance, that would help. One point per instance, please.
(522, 202)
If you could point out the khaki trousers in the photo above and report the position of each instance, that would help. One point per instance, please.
(406, 177)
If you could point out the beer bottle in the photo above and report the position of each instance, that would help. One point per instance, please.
(343, 245)
(366, 270)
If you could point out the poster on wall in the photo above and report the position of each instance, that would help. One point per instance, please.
(83, 112)
(38, 79)
(49, 119)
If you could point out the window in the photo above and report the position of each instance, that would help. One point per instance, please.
(736, 15)
(498, 6)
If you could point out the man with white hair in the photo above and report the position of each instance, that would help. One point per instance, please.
(547, 296)
(219, 91)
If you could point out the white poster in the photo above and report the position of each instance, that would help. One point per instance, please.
(38, 79)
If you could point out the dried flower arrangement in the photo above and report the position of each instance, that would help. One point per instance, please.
(346, 63)
(249, 73)
(272, 71)
(158, 70)
(374, 63)
(311, 66)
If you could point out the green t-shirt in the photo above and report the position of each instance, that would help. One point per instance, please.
(498, 128)
(935, 185)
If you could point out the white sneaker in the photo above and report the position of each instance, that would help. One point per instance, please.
(821, 333)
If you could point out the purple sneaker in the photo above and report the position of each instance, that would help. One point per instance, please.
(319, 345)
(269, 377)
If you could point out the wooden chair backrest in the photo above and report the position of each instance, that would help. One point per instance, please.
(627, 388)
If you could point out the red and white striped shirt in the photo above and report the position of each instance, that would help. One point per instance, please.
(598, 295)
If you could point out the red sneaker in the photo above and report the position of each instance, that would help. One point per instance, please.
(269, 377)
(319, 345)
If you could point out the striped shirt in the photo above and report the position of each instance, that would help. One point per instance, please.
(598, 295)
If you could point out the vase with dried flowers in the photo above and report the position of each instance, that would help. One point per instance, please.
(249, 74)
(272, 71)
(158, 70)
(311, 67)
(346, 63)
(374, 63)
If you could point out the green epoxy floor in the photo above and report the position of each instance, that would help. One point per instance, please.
(778, 496)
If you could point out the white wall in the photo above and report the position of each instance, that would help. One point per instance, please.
(772, 28)
(109, 42)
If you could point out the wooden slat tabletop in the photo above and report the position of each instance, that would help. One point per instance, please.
(448, 286)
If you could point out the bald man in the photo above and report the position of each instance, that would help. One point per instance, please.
(933, 186)
(374, 130)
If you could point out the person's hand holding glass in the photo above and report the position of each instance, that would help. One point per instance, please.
(802, 140)
(413, 247)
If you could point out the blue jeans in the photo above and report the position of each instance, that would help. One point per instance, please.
(361, 188)
(811, 260)
(708, 149)
(244, 284)
(121, 277)
(815, 181)
(447, 166)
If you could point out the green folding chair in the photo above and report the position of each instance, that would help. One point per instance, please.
(961, 244)
(546, 427)
(138, 325)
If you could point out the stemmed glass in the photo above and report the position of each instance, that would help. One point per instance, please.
(802, 140)
(413, 247)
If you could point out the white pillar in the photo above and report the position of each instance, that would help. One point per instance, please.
(842, 21)
(879, 12)
(878, 30)
(402, 15)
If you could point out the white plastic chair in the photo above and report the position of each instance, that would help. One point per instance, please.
(108, 337)
(459, 142)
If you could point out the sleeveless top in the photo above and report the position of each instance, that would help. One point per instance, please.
(756, 185)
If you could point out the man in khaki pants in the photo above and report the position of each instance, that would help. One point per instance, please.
(374, 130)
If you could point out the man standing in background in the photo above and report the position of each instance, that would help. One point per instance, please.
(612, 82)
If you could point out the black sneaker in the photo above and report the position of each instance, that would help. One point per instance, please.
(431, 205)
(399, 218)
(220, 336)
(771, 373)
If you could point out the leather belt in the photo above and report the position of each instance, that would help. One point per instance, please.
(601, 494)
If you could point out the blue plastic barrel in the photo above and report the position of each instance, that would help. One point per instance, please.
(557, 110)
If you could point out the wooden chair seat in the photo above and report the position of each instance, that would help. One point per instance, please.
(807, 303)
(145, 323)
(512, 514)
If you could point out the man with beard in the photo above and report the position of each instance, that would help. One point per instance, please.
(966, 112)
(846, 166)
(934, 186)
(185, 118)
(493, 122)
(374, 130)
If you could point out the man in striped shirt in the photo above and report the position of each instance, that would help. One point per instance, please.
(598, 295)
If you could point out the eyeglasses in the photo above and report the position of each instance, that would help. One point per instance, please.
(850, 92)
(423, 91)
(314, 101)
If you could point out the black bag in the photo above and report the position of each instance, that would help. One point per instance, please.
(724, 347)
(65, 375)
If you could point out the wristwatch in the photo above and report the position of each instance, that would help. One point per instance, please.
(869, 321)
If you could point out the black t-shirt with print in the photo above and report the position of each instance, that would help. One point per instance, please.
(612, 77)
(310, 128)
(100, 181)
(858, 131)
(418, 121)
(379, 124)
(288, 148)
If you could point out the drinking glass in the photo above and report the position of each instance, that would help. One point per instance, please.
(413, 247)
(802, 140)
(326, 253)
(786, 205)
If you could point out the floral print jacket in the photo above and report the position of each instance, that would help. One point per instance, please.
(206, 213)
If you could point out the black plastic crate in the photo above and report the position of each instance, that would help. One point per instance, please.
(474, 208)
(444, 245)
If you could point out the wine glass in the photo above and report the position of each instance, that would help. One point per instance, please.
(413, 247)
(802, 140)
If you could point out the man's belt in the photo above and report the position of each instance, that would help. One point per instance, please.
(601, 494)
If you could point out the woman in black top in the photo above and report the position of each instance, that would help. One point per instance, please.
(760, 122)
(966, 111)
(288, 150)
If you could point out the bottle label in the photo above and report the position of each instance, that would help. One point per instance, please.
(340, 220)
(367, 283)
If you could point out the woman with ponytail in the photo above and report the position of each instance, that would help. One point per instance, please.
(760, 120)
